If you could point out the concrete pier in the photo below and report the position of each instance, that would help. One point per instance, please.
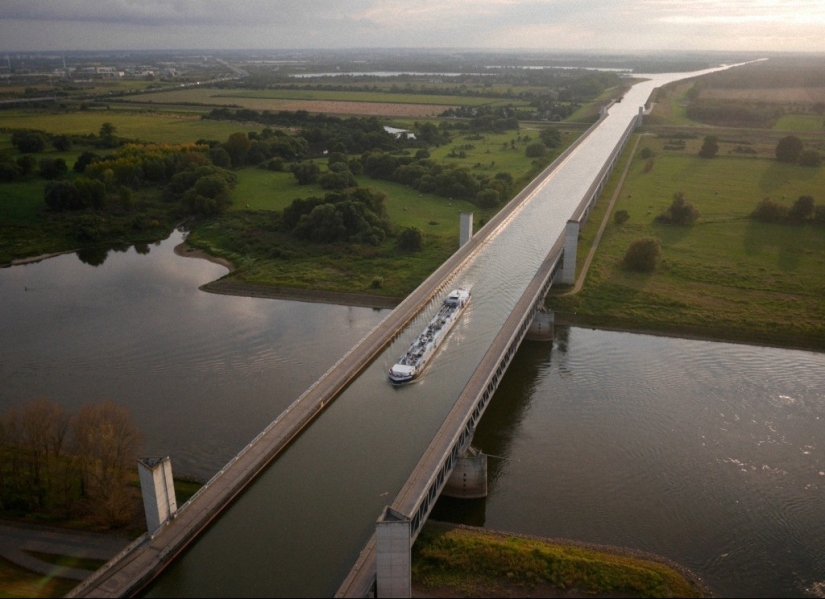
(468, 479)
(158, 489)
(541, 329)
(571, 244)
(466, 228)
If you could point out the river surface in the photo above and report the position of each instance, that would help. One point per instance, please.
(708, 453)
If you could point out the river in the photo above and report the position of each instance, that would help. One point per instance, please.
(708, 453)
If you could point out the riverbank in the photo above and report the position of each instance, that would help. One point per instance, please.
(460, 561)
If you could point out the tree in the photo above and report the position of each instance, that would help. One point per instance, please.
(306, 173)
(810, 158)
(237, 146)
(535, 150)
(680, 212)
(107, 442)
(62, 195)
(710, 147)
(802, 209)
(788, 149)
(53, 168)
(107, 135)
(550, 137)
(410, 239)
(642, 255)
(29, 142)
(62, 143)
(488, 198)
(769, 211)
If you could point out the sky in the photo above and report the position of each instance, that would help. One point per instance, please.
(554, 25)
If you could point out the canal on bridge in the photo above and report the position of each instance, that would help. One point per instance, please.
(297, 530)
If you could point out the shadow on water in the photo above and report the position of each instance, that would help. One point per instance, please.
(501, 424)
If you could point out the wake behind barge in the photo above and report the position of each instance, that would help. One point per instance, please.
(413, 362)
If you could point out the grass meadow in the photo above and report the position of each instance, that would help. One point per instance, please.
(724, 276)
(456, 562)
(800, 122)
(160, 127)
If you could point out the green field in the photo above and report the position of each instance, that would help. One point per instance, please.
(160, 127)
(800, 122)
(725, 276)
(366, 96)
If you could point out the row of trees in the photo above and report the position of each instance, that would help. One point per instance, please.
(52, 461)
(450, 181)
(802, 211)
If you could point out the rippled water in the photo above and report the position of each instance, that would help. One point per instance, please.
(708, 453)
(202, 374)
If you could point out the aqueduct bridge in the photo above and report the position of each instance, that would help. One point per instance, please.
(295, 525)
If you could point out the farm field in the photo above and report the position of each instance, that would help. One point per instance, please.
(724, 276)
(365, 96)
(160, 127)
(208, 97)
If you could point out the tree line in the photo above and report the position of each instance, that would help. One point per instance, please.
(69, 465)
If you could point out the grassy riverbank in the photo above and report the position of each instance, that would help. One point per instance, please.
(450, 561)
(726, 276)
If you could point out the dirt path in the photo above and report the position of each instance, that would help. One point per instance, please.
(580, 279)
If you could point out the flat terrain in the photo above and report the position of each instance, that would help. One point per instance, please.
(726, 276)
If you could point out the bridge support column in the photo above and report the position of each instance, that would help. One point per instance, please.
(393, 574)
(639, 117)
(158, 490)
(571, 243)
(466, 228)
(468, 479)
(541, 329)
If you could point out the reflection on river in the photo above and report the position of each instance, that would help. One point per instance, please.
(202, 373)
(708, 453)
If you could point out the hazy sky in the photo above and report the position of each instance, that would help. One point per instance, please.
(756, 25)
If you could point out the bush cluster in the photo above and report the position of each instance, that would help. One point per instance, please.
(802, 211)
(680, 212)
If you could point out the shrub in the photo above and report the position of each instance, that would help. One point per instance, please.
(788, 149)
(710, 147)
(680, 212)
(621, 217)
(769, 211)
(646, 153)
(642, 254)
(535, 150)
(802, 209)
(410, 239)
(810, 158)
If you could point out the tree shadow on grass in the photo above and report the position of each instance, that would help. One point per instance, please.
(779, 174)
(761, 238)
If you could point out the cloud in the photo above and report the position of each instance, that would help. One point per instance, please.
(540, 24)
